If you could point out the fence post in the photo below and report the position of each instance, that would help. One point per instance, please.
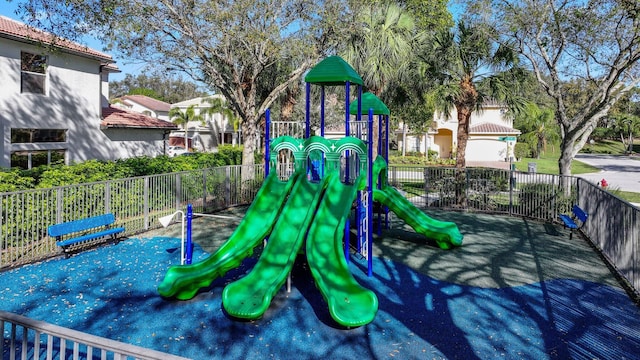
(178, 190)
(204, 190)
(227, 186)
(512, 185)
(59, 203)
(147, 222)
(107, 196)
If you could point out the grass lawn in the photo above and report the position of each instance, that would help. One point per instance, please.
(548, 163)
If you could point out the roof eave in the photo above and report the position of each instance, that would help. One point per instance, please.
(30, 41)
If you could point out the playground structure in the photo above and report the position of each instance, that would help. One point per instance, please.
(308, 200)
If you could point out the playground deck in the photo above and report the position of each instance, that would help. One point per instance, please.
(515, 289)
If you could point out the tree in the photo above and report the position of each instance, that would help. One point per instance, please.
(165, 87)
(218, 105)
(380, 49)
(469, 69)
(626, 127)
(538, 127)
(596, 42)
(228, 46)
(182, 118)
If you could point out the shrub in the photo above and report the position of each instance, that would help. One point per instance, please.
(522, 150)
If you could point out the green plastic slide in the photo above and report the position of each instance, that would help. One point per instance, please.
(183, 281)
(349, 303)
(445, 233)
(250, 296)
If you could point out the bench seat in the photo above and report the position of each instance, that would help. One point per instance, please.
(90, 236)
(77, 231)
(571, 221)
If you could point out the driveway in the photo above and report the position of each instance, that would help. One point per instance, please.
(621, 172)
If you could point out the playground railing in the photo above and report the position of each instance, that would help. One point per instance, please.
(613, 226)
(137, 203)
(27, 338)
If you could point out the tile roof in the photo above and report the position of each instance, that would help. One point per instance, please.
(197, 101)
(17, 31)
(490, 128)
(149, 103)
(113, 117)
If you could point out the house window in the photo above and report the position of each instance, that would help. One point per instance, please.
(30, 159)
(33, 73)
(29, 136)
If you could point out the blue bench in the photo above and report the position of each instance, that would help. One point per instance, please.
(77, 231)
(571, 221)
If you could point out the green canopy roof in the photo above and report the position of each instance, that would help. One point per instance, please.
(333, 71)
(369, 101)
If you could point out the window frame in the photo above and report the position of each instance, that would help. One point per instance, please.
(34, 73)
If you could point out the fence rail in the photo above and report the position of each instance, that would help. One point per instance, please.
(613, 226)
(138, 202)
(33, 339)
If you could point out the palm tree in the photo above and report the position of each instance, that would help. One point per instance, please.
(379, 51)
(539, 128)
(182, 118)
(469, 68)
(218, 105)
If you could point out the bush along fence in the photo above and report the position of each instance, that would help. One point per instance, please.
(137, 203)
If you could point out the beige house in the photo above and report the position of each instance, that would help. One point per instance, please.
(145, 105)
(491, 135)
(214, 130)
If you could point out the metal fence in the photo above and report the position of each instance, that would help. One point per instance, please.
(613, 226)
(137, 204)
(33, 339)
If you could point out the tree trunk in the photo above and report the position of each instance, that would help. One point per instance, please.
(288, 103)
(404, 139)
(464, 114)
(250, 138)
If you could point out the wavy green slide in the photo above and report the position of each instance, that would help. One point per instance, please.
(250, 296)
(184, 281)
(445, 233)
(349, 303)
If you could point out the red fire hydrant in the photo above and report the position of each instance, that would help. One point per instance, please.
(604, 183)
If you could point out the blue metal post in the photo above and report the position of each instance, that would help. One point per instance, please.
(370, 197)
(347, 238)
(347, 229)
(189, 244)
(322, 110)
(386, 157)
(267, 141)
(307, 111)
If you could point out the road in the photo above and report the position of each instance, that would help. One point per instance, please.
(620, 172)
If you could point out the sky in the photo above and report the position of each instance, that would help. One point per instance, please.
(8, 9)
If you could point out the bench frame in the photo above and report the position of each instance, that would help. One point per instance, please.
(78, 231)
(571, 222)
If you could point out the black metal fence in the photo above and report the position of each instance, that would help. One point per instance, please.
(137, 203)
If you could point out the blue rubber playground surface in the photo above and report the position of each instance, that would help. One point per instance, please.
(516, 289)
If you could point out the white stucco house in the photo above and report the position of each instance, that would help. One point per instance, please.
(54, 104)
(491, 135)
(207, 135)
(145, 105)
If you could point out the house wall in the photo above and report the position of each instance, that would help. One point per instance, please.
(480, 147)
(216, 129)
(73, 102)
(486, 148)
